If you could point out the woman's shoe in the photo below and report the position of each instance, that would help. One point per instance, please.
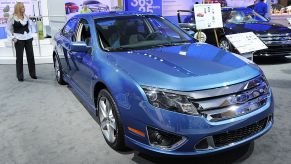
(34, 77)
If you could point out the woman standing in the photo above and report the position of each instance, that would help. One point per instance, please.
(19, 30)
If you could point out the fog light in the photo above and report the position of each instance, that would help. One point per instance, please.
(164, 140)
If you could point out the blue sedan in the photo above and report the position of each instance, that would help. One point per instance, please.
(154, 89)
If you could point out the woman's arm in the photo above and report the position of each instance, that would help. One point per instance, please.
(9, 27)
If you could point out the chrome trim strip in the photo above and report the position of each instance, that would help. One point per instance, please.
(231, 100)
(227, 102)
(235, 110)
(210, 93)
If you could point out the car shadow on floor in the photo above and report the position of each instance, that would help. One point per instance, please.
(236, 155)
(272, 60)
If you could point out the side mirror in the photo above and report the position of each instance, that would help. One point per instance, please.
(79, 47)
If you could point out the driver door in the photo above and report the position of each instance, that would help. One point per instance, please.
(83, 60)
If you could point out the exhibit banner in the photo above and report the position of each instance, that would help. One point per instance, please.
(170, 7)
(239, 3)
(152, 6)
(160, 7)
(73, 7)
(246, 42)
(208, 16)
(7, 8)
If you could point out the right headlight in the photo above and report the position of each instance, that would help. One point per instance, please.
(169, 100)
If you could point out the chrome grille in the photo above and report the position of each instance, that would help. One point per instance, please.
(276, 38)
(239, 100)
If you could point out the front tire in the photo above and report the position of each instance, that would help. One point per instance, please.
(109, 118)
(225, 44)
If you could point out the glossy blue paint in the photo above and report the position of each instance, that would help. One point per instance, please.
(188, 67)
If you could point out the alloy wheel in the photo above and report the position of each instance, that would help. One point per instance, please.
(225, 45)
(107, 119)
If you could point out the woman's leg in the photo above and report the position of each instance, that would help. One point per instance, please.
(30, 57)
(19, 47)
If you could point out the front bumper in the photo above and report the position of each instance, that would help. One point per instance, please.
(275, 50)
(195, 129)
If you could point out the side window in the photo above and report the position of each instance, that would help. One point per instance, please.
(68, 30)
(83, 32)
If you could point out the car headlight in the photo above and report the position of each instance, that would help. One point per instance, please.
(170, 101)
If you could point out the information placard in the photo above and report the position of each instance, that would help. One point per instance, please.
(208, 16)
(246, 42)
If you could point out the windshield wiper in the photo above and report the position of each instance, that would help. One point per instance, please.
(181, 42)
(121, 48)
(173, 43)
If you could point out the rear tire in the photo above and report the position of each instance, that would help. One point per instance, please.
(58, 71)
(110, 122)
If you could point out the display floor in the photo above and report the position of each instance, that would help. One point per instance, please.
(43, 122)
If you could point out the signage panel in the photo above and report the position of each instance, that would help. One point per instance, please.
(246, 42)
(208, 16)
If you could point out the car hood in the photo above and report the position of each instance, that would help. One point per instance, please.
(257, 28)
(185, 68)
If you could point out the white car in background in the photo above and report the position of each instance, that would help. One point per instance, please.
(96, 6)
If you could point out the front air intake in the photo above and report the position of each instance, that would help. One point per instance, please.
(163, 140)
(231, 137)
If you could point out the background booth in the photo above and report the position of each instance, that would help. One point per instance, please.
(50, 15)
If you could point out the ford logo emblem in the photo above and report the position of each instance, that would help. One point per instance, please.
(242, 98)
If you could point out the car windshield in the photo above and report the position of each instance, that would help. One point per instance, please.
(242, 16)
(138, 32)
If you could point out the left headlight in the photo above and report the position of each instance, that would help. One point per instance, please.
(170, 101)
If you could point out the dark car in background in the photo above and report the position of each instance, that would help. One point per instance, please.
(239, 20)
(71, 7)
(96, 6)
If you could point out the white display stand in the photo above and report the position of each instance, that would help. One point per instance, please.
(208, 16)
(246, 43)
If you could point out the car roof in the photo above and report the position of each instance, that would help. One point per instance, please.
(97, 15)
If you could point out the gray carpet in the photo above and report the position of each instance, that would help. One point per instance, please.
(42, 122)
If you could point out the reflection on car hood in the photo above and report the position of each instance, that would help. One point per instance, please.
(258, 28)
(185, 68)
